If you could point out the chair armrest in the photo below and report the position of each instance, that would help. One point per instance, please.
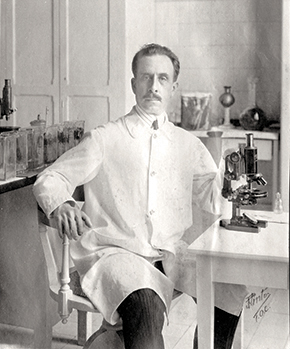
(65, 297)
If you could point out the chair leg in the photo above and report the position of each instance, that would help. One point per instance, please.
(85, 326)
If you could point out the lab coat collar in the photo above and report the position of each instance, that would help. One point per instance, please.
(137, 127)
(149, 118)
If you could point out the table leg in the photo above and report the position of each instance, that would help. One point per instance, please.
(205, 302)
(239, 336)
(85, 326)
(275, 171)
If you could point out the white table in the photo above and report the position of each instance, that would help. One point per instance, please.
(256, 259)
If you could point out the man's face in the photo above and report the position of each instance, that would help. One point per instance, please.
(153, 84)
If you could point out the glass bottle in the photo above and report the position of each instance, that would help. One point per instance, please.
(278, 207)
(227, 100)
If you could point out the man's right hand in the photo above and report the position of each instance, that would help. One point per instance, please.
(70, 220)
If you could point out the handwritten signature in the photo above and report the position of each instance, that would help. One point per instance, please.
(261, 300)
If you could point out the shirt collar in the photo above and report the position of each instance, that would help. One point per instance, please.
(149, 118)
(137, 126)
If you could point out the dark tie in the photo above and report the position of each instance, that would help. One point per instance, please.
(155, 125)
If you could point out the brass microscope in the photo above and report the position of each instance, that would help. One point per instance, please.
(6, 100)
(239, 163)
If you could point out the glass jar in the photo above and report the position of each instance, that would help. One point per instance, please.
(35, 141)
(61, 139)
(21, 151)
(50, 144)
(195, 110)
(29, 132)
(38, 146)
(69, 134)
(7, 155)
(79, 127)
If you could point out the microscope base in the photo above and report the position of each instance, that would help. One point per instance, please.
(243, 225)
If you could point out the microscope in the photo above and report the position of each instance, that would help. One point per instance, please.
(6, 100)
(237, 164)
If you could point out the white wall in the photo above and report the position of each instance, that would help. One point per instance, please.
(225, 42)
(140, 30)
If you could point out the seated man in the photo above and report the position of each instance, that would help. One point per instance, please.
(140, 175)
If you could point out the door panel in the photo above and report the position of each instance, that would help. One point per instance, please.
(84, 80)
(31, 45)
(88, 50)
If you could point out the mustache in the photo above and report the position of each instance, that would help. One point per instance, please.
(153, 95)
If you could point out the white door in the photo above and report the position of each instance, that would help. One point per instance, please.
(29, 51)
(66, 59)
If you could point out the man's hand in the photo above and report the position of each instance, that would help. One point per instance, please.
(70, 220)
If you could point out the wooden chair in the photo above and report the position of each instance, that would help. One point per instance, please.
(67, 296)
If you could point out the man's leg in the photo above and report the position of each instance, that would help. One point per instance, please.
(142, 313)
(225, 325)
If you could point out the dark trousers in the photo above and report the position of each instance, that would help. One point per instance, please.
(142, 313)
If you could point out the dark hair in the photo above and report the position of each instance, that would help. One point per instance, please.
(155, 49)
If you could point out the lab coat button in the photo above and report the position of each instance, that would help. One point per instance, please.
(151, 212)
(153, 173)
(154, 135)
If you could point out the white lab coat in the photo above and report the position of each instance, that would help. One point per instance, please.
(139, 187)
